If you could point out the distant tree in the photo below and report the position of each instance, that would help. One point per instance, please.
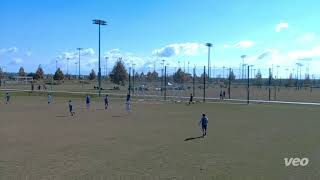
(1, 76)
(58, 75)
(151, 76)
(39, 73)
(21, 72)
(33, 75)
(180, 76)
(119, 73)
(231, 76)
(136, 76)
(1, 73)
(92, 75)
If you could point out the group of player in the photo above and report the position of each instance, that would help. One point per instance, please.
(88, 102)
(203, 121)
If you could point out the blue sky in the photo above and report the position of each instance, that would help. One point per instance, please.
(144, 32)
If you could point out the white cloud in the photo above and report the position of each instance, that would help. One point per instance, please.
(281, 26)
(301, 54)
(9, 50)
(89, 52)
(241, 44)
(127, 57)
(171, 50)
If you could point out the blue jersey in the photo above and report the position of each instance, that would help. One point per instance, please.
(88, 100)
(204, 121)
(70, 107)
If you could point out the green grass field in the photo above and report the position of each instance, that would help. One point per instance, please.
(41, 141)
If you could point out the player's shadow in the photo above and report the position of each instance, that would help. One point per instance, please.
(193, 138)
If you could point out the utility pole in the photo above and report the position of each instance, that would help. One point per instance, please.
(204, 83)
(243, 57)
(248, 90)
(209, 45)
(68, 66)
(79, 49)
(165, 83)
(99, 23)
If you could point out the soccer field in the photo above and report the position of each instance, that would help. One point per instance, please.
(41, 141)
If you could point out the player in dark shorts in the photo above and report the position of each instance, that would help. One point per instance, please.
(7, 98)
(106, 102)
(88, 101)
(128, 103)
(191, 99)
(204, 124)
(71, 108)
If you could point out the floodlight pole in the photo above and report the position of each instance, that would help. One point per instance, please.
(243, 57)
(99, 23)
(79, 49)
(165, 83)
(204, 83)
(209, 45)
(68, 66)
(248, 90)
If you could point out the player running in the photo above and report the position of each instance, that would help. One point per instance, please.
(128, 103)
(71, 108)
(88, 101)
(204, 124)
(7, 97)
(106, 102)
(49, 99)
(191, 99)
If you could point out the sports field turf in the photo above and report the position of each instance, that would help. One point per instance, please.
(41, 141)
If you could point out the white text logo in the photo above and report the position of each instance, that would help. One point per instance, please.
(296, 161)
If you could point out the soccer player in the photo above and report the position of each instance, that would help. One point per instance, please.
(88, 101)
(106, 102)
(128, 103)
(49, 99)
(204, 124)
(7, 98)
(71, 108)
(191, 99)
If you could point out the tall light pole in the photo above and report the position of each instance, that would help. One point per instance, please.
(278, 71)
(76, 69)
(223, 72)
(209, 45)
(251, 71)
(244, 70)
(79, 49)
(243, 57)
(100, 23)
(68, 66)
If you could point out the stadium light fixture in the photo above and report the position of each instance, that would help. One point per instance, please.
(79, 49)
(209, 45)
(99, 23)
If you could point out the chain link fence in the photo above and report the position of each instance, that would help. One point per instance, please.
(178, 83)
